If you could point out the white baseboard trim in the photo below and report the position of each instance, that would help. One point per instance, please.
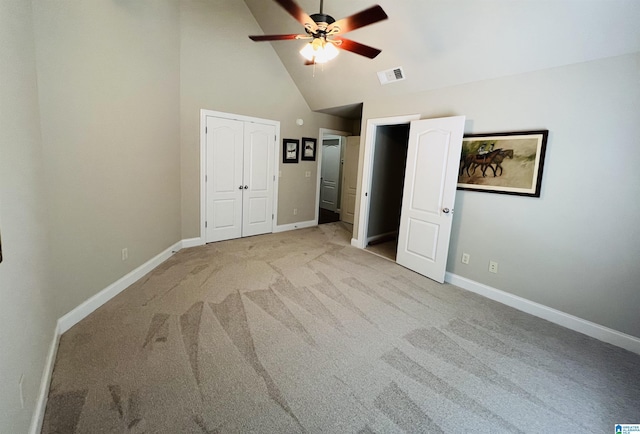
(580, 325)
(356, 243)
(41, 401)
(88, 306)
(83, 310)
(192, 242)
(382, 236)
(294, 226)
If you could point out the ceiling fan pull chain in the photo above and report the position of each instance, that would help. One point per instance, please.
(321, 3)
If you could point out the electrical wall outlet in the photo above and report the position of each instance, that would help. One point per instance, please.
(493, 267)
(465, 258)
(295, 211)
(125, 254)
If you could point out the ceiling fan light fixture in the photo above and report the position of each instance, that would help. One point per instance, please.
(319, 51)
(307, 51)
(330, 51)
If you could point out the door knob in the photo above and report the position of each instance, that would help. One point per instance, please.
(445, 210)
(240, 188)
(246, 186)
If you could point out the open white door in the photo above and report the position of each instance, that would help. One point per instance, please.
(431, 178)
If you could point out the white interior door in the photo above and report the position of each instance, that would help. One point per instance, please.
(350, 179)
(224, 178)
(259, 146)
(330, 174)
(431, 178)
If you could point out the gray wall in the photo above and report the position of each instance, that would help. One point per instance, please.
(120, 87)
(575, 248)
(100, 150)
(27, 315)
(108, 81)
(389, 163)
(223, 70)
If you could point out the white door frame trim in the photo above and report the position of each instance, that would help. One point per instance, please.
(203, 162)
(367, 171)
(323, 132)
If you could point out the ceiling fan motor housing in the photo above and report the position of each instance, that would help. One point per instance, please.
(322, 18)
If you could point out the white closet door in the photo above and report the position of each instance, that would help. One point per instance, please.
(431, 177)
(259, 148)
(224, 178)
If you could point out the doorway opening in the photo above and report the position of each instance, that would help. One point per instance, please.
(330, 164)
(391, 130)
(330, 179)
(387, 184)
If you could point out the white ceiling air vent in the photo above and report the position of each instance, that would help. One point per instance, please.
(391, 75)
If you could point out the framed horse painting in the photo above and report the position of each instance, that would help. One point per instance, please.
(505, 163)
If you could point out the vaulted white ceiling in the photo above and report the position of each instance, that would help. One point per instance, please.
(442, 43)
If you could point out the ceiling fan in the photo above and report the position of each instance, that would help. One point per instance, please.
(323, 31)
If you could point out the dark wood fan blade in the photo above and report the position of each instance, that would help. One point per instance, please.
(259, 38)
(296, 12)
(361, 19)
(358, 48)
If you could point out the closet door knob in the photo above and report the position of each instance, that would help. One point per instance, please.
(240, 188)
(246, 186)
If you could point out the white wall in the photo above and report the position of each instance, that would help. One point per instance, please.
(27, 316)
(575, 248)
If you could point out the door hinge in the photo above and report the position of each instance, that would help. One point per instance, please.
(205, 178)
(205, 224)
(271, 216)
(274, 177)
(206, 130)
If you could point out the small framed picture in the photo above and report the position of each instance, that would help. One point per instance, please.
(507, 163)
(308, 149)
(290, 148)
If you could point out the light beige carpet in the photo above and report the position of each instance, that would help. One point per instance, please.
(386, 249)
(300, 332)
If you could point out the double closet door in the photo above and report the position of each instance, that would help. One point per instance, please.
(239, 178)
